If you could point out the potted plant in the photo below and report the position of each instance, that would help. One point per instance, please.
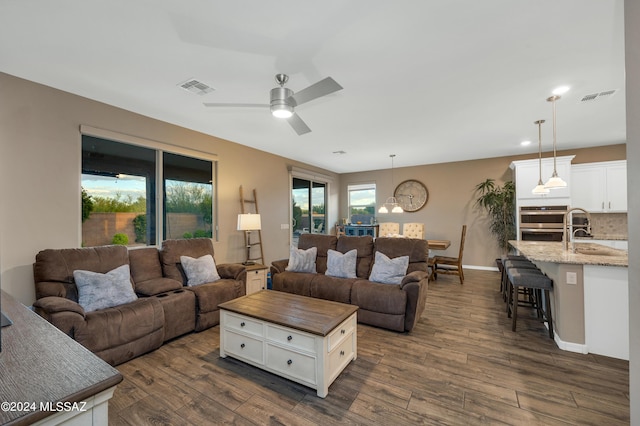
(499, 202)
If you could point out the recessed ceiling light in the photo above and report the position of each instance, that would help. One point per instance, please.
(340, 152)
(560, 90)
(525, 143)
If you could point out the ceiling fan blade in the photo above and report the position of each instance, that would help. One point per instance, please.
(316, 90)
(208, 104)
(298, 125)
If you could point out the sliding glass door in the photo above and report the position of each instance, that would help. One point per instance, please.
(308, 199)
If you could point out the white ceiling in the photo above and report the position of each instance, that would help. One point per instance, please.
(428, 80)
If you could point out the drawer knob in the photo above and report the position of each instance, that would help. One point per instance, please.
(242, 324)
(289, 362)
(289, 338)
(341, 353)
(242, 345)
(342, 331)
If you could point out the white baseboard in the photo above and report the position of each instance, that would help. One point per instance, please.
(569, 346)
(481, 268)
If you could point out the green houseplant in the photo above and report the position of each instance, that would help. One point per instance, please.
(499, 202)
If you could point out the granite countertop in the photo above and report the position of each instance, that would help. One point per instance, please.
(586, 253)
(612, 237)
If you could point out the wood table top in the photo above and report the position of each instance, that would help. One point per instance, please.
(315, 316)
(439, 244)
(41, 364)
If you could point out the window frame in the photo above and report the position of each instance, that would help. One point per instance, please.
(360, 187)
(160, 148)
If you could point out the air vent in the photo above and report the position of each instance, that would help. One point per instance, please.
(197, 87)
(598, 96)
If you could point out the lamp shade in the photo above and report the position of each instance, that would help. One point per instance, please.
(249, 222)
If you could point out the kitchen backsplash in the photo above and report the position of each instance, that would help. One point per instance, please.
(609, 225)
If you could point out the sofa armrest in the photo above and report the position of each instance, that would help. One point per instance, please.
(64, 314)
(232, 271)
(414, 277)
(278, 266)
(415, 285)
(54, 304)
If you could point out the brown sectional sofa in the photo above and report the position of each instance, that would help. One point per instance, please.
(165, 308)
(395, 307)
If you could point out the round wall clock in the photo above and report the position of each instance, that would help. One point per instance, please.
(412, 195)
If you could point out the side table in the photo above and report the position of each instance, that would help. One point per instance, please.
(256, 277)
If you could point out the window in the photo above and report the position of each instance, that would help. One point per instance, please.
(362, 202)
(120, 186)
(309, 194)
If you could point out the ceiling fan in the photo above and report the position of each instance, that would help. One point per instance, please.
(284, 101)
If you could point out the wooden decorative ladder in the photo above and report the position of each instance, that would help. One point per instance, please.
(250, 205)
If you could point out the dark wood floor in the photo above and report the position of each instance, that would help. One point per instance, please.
(461, 365)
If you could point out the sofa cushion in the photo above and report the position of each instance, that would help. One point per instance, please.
(417, 250)
(173, 249)
(100, 291)
(323, 243)
(53, 268)
(199, 271)
(364, 247)
(157, 286)
(145, 264)
(376, 297)
(389, 271)
(331, 288)
(293, 282)
(341, 265)
(301, 260)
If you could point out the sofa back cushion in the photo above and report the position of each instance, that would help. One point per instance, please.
(53, 268)
(172, 250)
(364, 246)
(323, 243)
(145, 264)
(417, 250)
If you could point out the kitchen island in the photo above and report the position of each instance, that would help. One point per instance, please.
(590, 296)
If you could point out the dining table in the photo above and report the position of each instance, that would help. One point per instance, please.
(438, 244)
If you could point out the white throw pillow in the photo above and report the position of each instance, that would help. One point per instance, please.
(389, 271)
(302, 260)
(341, 265)
(101, 291)
(199, 271)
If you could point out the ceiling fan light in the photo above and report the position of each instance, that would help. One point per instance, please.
(282, 110)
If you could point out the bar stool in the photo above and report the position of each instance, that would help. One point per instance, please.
(537, 282)
(516, 262)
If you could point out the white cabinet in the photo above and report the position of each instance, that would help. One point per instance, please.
(600, 187)
(256, 278)
(527, 174)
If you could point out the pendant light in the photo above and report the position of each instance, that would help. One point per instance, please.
(554, 181)
(391, 202)
(539, 189)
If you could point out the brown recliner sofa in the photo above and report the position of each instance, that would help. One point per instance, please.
(395, 307)
(165, 308)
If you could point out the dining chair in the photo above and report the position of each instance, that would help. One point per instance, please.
(413, 230)
(389, 229)
(451, 265)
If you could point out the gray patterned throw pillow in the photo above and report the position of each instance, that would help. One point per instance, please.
(341, 265)
(101, 291)
(302, 260)
(199, 271)
(389, 271)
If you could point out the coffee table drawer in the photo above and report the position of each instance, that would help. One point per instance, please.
(340, 357)
(291, 338)
(292, 364)
(243, 324)
(244, 347)
(341, 332)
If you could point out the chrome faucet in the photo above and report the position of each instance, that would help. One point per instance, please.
(566, 238)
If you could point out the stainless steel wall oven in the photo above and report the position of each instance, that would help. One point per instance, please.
(542, 223)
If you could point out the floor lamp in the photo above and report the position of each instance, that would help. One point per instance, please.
(249, 222)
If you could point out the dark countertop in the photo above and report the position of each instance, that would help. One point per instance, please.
(40, 364)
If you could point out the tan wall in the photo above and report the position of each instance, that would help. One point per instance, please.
(632, 59)
(451, 197)
(40, 163)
